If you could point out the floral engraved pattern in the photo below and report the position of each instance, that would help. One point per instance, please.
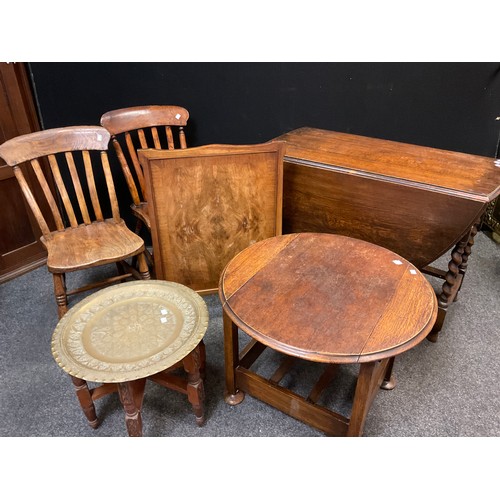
(134, 330)
(130, 331)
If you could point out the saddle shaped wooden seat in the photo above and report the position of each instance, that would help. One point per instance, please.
(80, 235)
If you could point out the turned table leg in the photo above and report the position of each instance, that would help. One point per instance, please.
(231, 354)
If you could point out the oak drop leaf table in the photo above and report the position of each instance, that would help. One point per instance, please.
(324, 298)
(417, 201)
(126, 334)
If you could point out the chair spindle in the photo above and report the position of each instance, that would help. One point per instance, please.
(31, 200)
(156, 138)
(78, 187)
(48, 194)
(135, 162)
(91, 184)
(54, 166)
(170, 137)
(111, 186)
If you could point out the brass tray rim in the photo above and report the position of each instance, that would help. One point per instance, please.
(150, 365)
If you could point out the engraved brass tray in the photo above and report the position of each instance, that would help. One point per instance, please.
(129, 331)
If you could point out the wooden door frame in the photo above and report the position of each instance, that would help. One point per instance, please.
(18, 100)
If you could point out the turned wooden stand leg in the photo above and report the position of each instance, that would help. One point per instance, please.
(450, 285)
(86, 402)
(195, 388)
(203, 359)
(131, 395)
(233, 396)
(60, 293)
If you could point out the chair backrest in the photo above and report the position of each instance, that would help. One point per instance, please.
(66, 149)
(208, 203)
(142, 127)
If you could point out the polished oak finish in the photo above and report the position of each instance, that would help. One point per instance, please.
(326, 299)
(78, 234)
(207, 204)
(417, 201)
(142, 127)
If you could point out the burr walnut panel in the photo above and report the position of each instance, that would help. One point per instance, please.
(209, 203)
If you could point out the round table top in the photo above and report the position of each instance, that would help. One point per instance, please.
(328, 298)
(129, 331)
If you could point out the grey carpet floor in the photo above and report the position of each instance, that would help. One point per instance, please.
(448, 388)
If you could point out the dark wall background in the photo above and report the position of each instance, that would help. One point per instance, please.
(445, 105)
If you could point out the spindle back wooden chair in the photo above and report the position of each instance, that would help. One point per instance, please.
(143, 127)
(79, 236)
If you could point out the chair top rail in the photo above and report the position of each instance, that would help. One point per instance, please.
(136, 117)
(57, 140)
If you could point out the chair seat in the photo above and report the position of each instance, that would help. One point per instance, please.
(141, 212)
(89, 245)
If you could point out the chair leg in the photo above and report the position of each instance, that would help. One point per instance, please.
(120, 268)
(195, 388)
(143, 267)
(60, 293)
(86, 402)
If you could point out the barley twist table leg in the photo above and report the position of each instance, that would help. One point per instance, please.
(449, 289)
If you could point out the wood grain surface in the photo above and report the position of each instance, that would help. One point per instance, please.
(414, 200)
(466, 175)
(209, 203)
(328, 298)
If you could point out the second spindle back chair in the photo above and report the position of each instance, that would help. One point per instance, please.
(143, 127)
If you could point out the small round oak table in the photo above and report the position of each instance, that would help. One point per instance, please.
(328, 299)
(125, 334)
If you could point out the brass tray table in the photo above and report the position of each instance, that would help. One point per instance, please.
(128, 333)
